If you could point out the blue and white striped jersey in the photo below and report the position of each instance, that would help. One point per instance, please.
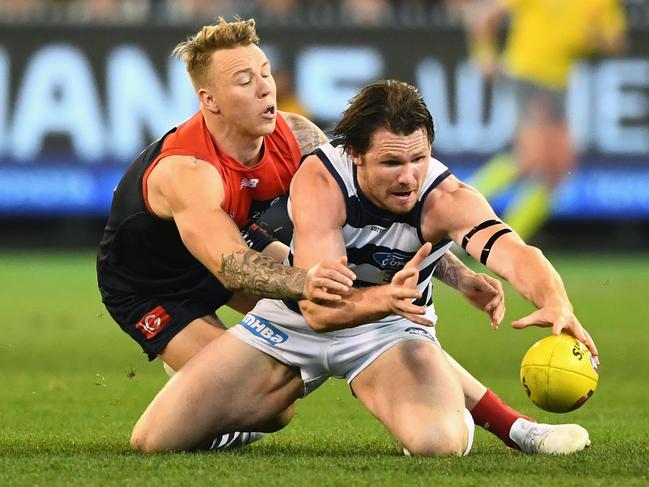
(379, 243)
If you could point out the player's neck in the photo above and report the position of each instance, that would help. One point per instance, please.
(243, 147)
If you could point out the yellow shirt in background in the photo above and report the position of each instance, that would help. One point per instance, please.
(546, 37)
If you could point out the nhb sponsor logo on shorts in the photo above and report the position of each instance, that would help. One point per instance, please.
(263, 329)
(153, 322)
(413, 330)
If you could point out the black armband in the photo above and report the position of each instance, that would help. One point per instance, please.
(256, 237)
(477, 228)
(487, 247)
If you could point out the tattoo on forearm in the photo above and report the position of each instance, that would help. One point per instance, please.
(446, 271)
(251, 272)
(307, 134)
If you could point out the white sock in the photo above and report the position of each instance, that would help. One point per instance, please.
(470, 427)
(170, 372)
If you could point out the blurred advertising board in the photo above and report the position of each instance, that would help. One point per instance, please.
(78, 103)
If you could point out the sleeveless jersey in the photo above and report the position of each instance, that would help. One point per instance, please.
(142, 254)
(379, 243)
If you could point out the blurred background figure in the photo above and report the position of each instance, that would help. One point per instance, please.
(366, 12)
(279, 8)
(21, 10)
(111, 11)
(544, 40)
(76, 11)
(77, 102)
(202, 10)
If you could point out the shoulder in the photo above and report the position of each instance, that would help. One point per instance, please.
(181, 164)
(306, 133)
(311, 174)
(177, 182)
(184, 173)
(315, 195)
(448, 192)
(452, 207)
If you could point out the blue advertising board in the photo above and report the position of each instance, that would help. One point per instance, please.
(77, 104)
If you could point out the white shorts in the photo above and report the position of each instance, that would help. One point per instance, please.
(283, 334)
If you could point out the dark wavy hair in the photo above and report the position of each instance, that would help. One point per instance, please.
(390, 104)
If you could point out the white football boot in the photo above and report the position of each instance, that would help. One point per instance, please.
(548, 439)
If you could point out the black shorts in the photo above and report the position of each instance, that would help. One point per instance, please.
(153, 321)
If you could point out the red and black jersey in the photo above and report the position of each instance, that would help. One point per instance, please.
(142, 254)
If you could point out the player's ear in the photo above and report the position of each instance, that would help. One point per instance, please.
(208, 100)
(356, 157)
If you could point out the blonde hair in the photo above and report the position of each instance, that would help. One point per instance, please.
(197, 50)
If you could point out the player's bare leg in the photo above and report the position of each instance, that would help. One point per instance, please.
(187, 343)
(412, 389)
(190, 340)
(200, 332)
(513, 428)
(228, 386)
(546, 155)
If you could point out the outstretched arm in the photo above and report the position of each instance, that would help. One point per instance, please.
(454, 209)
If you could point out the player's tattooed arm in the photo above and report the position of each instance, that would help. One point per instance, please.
(246, 270)
(447, 270)
(254, 273)
(307, 134)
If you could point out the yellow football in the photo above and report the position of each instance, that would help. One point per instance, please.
(559, 373)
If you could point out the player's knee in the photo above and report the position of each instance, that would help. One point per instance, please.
(443, 442)
(142, 442)
(279, 421)
(147, 441)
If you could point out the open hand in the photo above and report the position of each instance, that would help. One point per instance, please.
(328, 281)
(560, 318)
(485, 293)
(403, 289)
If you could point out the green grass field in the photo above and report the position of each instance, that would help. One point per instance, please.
(72, 385)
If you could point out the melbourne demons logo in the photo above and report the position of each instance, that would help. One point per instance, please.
(153, 322)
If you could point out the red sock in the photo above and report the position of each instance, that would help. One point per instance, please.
(496, 417)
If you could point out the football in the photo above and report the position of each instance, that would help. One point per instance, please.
(559, 373)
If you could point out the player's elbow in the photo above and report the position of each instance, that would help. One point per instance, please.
(530, 252)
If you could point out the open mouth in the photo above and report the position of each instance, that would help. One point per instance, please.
(270, 110)
(402, 194)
